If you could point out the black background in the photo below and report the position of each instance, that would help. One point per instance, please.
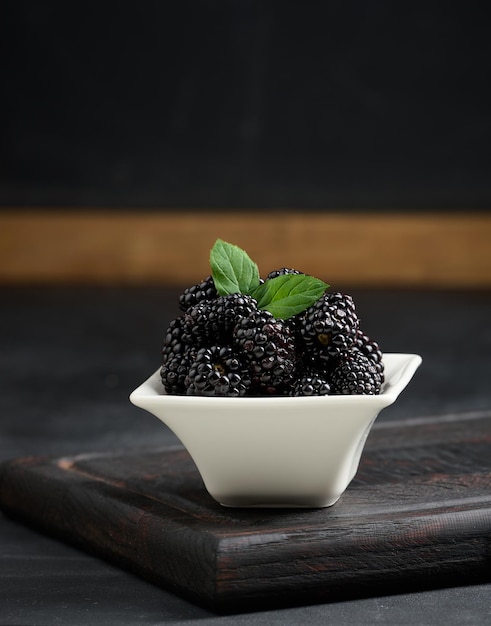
(246, 104)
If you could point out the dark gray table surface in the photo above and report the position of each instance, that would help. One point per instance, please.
(69, 357)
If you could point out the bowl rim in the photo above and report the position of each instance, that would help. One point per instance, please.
(404, 366)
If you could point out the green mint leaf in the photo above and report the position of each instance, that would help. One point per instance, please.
(290, 294)
(232, 269)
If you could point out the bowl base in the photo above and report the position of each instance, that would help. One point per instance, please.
(311, 503)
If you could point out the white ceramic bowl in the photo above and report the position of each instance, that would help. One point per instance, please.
(276, 451)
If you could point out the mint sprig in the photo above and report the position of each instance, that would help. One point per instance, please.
(233, 271)
(290, 294)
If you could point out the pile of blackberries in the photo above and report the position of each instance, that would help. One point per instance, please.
(227, 346)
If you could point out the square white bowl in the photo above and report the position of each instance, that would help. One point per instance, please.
(276, 451)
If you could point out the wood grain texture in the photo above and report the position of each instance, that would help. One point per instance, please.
(172, 248)
(419, 508)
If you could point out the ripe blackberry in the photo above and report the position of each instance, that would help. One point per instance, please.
(211, 322)
(282, 272)
(328, 328)
(217, 371)
(174, 341)
(174, 371)
(205, 290)
(225, 312)
(355, 374)
(196, 324)
(269, 345)
(176, 356)
(311, 384)
(370, 349)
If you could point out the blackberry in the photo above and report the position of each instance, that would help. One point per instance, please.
(205, 290)
(175, 370)
(269, 345)
(211, 322)
(282, 272)
(370, 349)
(196, 324)
(217, 371)
(176, 357)
(311, 384)
(174, 341)
(355, 374)
(226, 311)
(328, 328)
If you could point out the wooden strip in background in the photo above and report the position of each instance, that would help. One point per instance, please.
(378, 249)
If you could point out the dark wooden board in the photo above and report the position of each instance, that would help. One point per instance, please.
(419, 510)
